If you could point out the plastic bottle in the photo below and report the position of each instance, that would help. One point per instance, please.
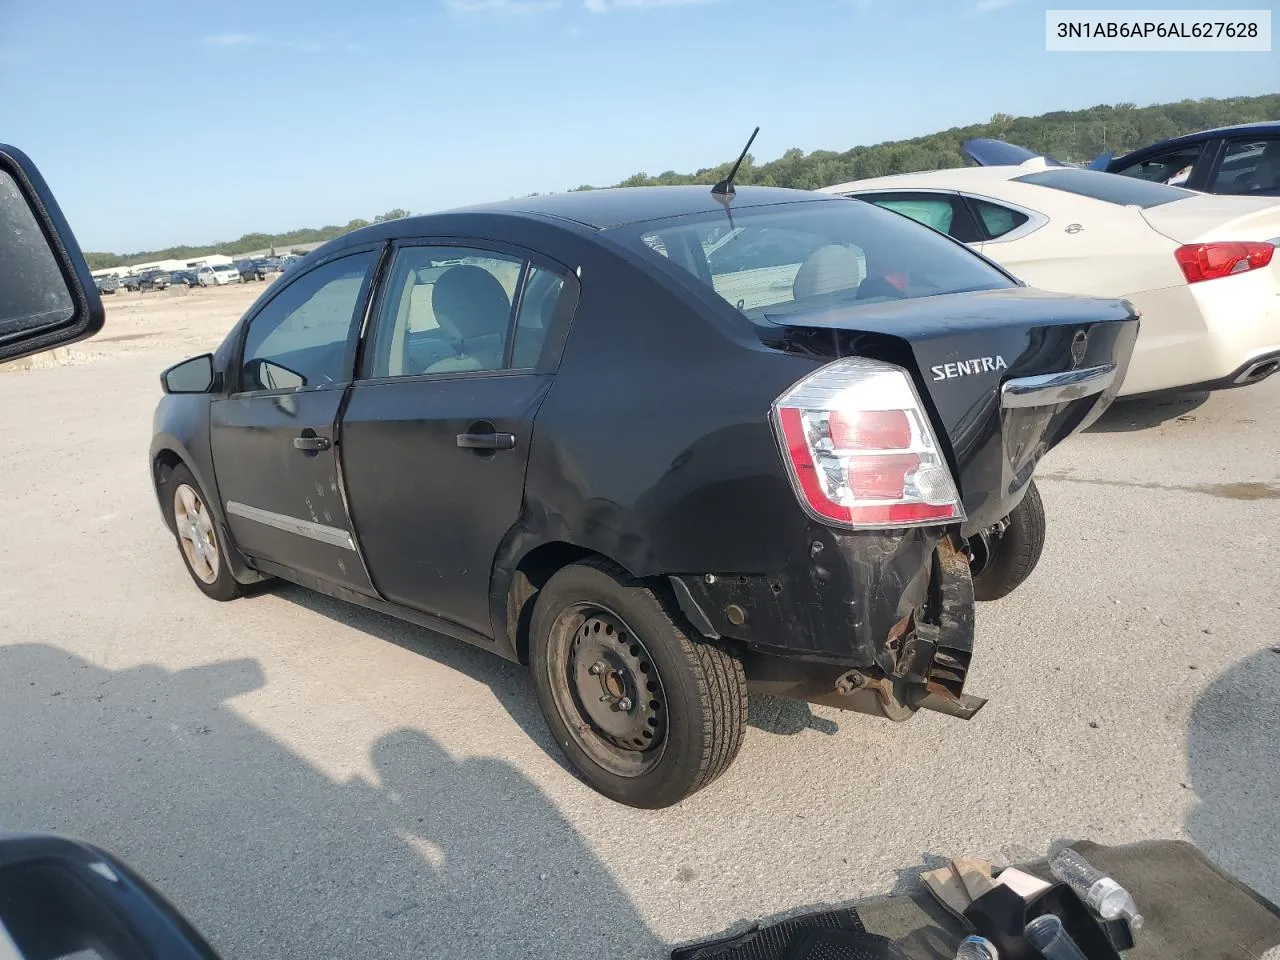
(1095, 888)
(1048, 936)
(977, 948)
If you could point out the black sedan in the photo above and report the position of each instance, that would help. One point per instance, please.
(660, 443)
(1244, 159)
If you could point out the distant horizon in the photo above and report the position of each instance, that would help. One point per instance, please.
(279, 240)
(307, 111)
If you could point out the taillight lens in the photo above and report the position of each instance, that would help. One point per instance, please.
(1208, 261)
(860, 450)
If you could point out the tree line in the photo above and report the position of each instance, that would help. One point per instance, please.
(1072, 136)
(1069, 135)
(245, 244)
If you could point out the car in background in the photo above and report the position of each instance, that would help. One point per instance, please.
(1243, 160)
(131, 282)
(153, 280)
(185, 278)
(107, 283)
(250, 270)
(657, 475)
(1200, 269)
(217, 275)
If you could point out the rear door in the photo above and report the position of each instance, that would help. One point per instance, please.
(435, 438)
(273, 437)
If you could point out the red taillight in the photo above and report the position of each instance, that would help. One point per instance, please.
(860, 450)
(1208, 261)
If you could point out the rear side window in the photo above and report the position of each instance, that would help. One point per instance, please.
(944, 212)
(1172, 166)
(1126, 191)
(451, 310)
(998, 220)
(1249, 166)
(811, 255)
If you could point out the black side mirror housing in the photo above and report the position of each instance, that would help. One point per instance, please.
(197, 375)
(47, 296)
(59, 897)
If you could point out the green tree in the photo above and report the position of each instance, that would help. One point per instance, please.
(1069, 135)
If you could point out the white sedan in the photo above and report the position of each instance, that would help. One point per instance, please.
(1200, 268)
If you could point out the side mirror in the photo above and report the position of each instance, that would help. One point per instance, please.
(61, 898)
(47, 297)
(191, 376)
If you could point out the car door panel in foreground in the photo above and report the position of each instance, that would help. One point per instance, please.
(662, 445)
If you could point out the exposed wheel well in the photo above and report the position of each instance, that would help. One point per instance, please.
(537, 567)
(161, 468)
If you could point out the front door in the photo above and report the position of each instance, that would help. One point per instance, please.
(273, 438)
(435, 437)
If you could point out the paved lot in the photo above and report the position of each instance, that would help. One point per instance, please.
(306, 778)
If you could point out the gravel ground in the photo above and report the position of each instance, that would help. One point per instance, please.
(305, 778)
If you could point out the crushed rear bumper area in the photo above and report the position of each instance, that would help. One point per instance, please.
(879, 623)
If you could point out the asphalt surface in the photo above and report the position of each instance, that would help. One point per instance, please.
(305, 778)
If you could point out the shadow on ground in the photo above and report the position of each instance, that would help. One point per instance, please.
(510, 682)
(1143, 413)
(438, 856)
(1234, 768)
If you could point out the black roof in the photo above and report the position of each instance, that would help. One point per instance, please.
(602, 209)
(1258, 128)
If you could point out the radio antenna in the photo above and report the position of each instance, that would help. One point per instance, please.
(725, 187)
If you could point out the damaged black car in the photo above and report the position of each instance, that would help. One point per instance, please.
(664, 445)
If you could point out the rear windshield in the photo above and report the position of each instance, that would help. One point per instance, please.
(1127, 191)
(796, 257)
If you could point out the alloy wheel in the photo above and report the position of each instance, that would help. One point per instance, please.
(195, 531)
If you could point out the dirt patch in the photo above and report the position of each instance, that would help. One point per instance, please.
(172, 320)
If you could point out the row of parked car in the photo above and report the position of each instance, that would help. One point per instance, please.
(210, 275)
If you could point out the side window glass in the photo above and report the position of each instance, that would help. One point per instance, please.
(537, 307)
(1248, 166)
(1172, 167)
(932, 211)
(997, 219)
(446, 310)
(301, 338)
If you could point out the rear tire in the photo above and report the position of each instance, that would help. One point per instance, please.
(196, 532)
(1014, 553)
(645, 715)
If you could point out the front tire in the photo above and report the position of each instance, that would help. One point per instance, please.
(196, 532)
(1012, 554)
(645, 715)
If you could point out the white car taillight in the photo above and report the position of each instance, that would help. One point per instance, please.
(860, 450)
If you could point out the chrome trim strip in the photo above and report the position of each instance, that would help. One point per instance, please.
(1049, 388)
(334, 536)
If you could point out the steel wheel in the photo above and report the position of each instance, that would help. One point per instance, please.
(607, 690)
(195, 531)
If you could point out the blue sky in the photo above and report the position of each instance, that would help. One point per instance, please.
(159, 123)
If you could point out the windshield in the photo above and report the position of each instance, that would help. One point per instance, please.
(224, 267)
(1127, 191)
(801, 256)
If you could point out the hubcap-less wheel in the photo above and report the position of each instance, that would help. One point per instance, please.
(608, 691)
(195, 533)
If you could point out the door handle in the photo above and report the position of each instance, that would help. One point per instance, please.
(487, 441)
(311, 444)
